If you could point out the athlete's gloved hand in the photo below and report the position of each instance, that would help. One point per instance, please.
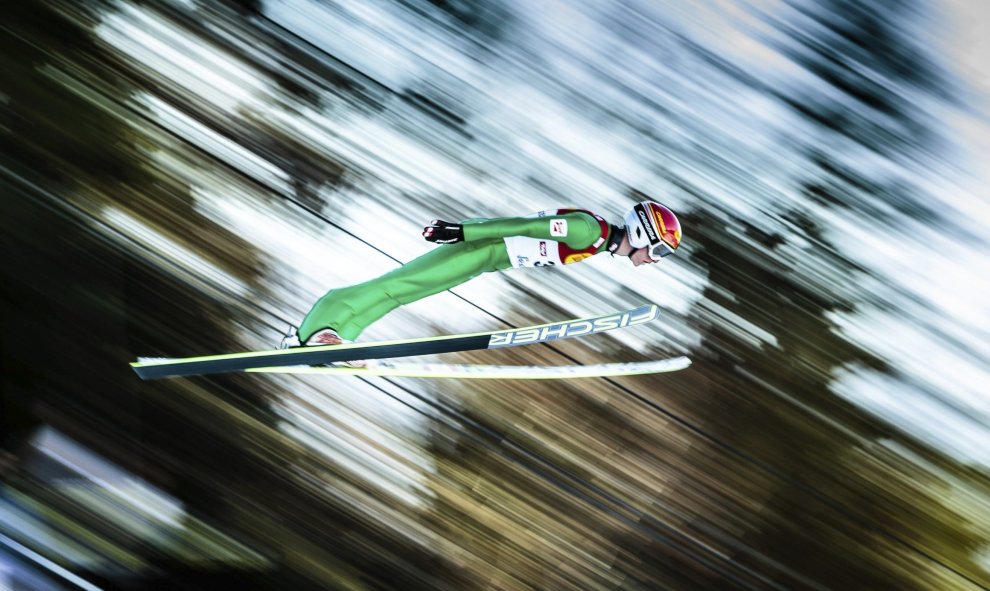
(443, 232)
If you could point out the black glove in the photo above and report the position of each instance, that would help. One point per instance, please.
(443, 232)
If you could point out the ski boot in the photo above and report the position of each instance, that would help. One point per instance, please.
(322, 337)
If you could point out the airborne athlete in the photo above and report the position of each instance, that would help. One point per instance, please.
(650, 231)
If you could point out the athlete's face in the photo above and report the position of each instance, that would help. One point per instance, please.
(641, 256)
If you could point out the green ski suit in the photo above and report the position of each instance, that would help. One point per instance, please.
(561, 236)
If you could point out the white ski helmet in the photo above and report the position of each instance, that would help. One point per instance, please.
(649, 224)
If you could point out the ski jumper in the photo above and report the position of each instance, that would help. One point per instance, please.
(547, 238)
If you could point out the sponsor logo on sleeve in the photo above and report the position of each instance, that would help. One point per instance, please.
(558, 227)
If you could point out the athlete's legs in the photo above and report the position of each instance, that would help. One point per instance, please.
(350, 310)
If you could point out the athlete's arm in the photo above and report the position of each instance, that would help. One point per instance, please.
(575, 229)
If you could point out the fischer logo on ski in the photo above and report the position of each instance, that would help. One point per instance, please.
(151, 369)
(573, 328)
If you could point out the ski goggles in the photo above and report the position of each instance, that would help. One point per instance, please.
(659, 250)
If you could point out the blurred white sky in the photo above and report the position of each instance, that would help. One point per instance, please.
(969, 44)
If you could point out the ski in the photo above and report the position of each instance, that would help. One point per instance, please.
(156, 368)
(488, 372)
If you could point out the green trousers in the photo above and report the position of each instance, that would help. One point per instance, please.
(349, 310)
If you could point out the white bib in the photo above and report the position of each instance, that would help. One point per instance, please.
(532, 252)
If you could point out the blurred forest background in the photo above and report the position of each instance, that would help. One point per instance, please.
(185, 177)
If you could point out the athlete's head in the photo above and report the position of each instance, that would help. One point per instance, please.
(653, 227)
(651, 232)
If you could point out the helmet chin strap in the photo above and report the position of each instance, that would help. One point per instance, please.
(615, 239)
